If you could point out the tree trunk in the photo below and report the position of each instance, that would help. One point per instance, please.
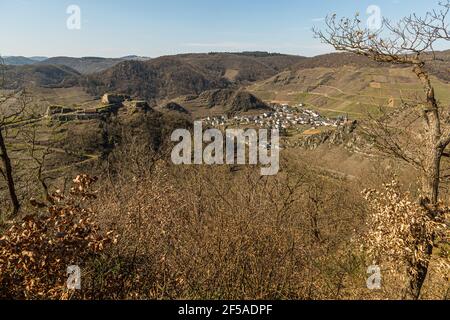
(431, 179)
(6, 161)
(418, 269)
(417, 274)
(432, 127)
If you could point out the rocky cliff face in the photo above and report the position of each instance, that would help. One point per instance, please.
(109, 98)
(175, 107)
(345, 135)
(244, 101)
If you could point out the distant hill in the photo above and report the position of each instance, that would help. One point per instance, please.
(136, 58)
(334, 60)
(20, 61)
(172, 76)
(38, 58)
(440, 67)
(331, 80)
(17, 61)
(338, 87)
(84, 65)
(241, 67)
(160, 78)
(88, 65)
(39, 75)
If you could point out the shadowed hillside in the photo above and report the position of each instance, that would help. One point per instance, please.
(165, 77)
(44, 76)
(172, 76)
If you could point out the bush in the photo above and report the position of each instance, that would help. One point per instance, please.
(36, 251)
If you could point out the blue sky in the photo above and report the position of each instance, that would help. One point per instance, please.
(114, 28)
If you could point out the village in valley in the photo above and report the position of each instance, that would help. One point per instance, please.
(282, 117)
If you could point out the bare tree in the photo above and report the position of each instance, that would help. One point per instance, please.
(7, 171)
(409, 42)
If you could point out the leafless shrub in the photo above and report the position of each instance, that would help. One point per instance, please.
(223, 232)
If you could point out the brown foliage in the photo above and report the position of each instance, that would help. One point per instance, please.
(36, 251)
(401, 235)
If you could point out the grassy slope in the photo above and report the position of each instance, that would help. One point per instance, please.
(355, 91)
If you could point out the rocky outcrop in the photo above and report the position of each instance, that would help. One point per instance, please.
(232, 101)
(244, 101)
(175, 107)
(138, 106)
(212, 98)
(109, 98)
(344, 135)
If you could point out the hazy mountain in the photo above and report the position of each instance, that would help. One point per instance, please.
(20, 61)
(38, 58)
(136, 58)
(85, 65)
(88, 65)
(17, 61)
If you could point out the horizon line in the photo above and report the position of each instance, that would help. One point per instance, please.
(166, 55)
